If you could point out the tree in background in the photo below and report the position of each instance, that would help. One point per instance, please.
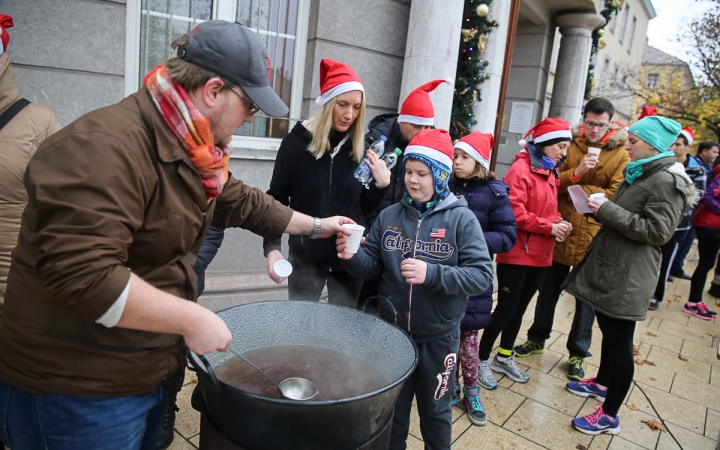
(476, 28)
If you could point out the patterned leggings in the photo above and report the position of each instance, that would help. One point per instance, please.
(469, 359)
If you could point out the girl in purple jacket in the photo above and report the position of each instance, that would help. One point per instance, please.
(488, 199)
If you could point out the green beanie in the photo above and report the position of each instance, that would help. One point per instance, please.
(660, 132)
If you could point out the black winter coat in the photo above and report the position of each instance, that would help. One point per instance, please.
(490, 203)
(387, 125)
(322, 187)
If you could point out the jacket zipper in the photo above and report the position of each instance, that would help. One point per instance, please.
(526, 243)
(414, 247)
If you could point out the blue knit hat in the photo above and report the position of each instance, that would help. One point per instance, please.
(660, 132)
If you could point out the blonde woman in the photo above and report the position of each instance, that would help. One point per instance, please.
(313, 174)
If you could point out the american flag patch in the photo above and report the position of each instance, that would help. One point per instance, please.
(438, 233)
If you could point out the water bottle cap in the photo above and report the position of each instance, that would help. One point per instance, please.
(383, 138)
(398, 151)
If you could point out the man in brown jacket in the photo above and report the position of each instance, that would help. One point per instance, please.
(21, 135)
(101, 293)
(595, 174)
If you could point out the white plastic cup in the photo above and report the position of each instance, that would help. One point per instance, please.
(597, 196)
(594, 151)
(282, 268)
(353, 241)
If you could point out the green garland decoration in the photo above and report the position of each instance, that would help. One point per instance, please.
(611, 8)
(476, 28)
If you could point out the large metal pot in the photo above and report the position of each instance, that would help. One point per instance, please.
(260, 423)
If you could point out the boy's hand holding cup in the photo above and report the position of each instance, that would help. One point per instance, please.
(347, 246)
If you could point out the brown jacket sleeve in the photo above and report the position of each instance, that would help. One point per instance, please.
(84, 208)
(240, 205)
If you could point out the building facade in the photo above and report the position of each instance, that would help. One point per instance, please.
(79, 55)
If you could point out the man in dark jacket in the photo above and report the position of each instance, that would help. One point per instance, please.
(416, 114)
(101, 297)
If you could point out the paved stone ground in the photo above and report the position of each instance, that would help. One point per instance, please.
(537, 414)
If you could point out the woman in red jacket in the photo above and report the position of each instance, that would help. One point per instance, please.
(533, 182)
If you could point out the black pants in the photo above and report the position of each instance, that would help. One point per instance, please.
(516, 287)
(616, 360)
(708, 247)
(432, 384)
(308, 280)
(580, 337)
(668, 250)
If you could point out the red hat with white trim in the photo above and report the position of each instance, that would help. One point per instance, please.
(434, 144)
(647, 111)
(417, 107)
(5, 22)
(548, 132)
(478, 145)
(689, 135)
(336, 78)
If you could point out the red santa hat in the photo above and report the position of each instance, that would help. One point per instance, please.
(548, 132)
(336, 78)
(647, 111)
(434, 144)
(689, 135)
(417, 107)
(5, 22)
(478, 145)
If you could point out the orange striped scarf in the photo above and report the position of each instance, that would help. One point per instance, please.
(192, 129)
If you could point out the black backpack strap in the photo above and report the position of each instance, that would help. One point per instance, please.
(12, 111)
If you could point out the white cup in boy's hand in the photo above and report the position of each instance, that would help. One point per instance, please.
(353, 241)
(341, 244)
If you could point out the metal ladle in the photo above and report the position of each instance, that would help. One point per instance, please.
(294, 388)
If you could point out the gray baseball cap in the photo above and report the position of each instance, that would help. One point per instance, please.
(234, 52)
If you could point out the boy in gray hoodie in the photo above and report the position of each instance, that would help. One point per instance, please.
(432, 255)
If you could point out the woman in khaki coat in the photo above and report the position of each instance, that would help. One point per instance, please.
(617, 276)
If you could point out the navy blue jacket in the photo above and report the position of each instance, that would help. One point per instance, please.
(490, 203)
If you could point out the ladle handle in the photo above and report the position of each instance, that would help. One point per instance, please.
(258, 369)
(380, 297)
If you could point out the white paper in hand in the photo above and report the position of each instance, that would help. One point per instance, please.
(579, 199)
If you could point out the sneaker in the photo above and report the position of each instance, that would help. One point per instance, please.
(587, 388)
(696, 311)
(473, 405)
(528, 348)
(597, 423)
(486, 378)
(704, 308)
(576, 368)
(455, 399)
(510, 368)
(654, 303)
(167, 433)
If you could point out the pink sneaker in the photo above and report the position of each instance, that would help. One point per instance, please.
(704, 308)
(696, 311)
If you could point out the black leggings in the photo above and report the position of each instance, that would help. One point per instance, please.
(668, 250)
(516, 287)
(616, 360)
(708, 247)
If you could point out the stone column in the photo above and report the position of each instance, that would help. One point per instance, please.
(431, 52)
(486, 110)
(572, 64)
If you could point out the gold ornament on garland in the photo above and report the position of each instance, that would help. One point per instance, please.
(468, 35)
(482, 42)
(601, 43)
(482, 10)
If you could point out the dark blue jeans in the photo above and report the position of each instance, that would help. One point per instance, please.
(685, 241)
(580, 337)
(63, 422)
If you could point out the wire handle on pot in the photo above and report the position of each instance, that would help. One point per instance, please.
(196, 363)
(378, 313)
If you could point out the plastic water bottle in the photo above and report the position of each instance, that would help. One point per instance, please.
(392, 158)
(363, 172)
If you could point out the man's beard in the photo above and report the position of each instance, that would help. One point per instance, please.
(219, 140)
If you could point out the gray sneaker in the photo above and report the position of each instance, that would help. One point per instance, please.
(510, 368)
(486, 378)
